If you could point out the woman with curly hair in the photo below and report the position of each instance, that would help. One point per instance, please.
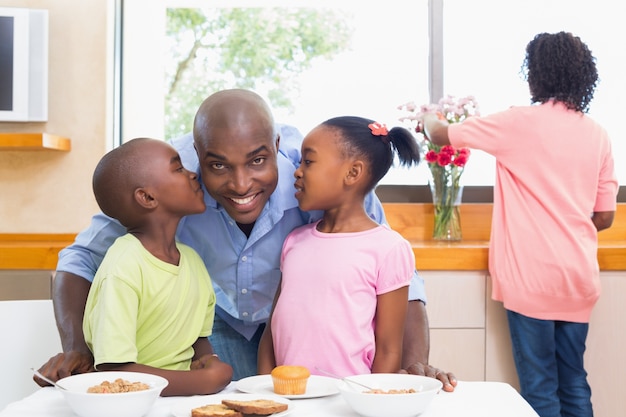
(555, 189)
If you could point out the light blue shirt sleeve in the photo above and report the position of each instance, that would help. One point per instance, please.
(84, 256)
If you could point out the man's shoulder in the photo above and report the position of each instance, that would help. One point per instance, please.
(182, 141)
(290, 142)
(184, 146)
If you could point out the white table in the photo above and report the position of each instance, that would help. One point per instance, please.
(470, 399)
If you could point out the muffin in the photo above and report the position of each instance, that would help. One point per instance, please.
(290, 379)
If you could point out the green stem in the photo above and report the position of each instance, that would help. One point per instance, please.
(445, 188)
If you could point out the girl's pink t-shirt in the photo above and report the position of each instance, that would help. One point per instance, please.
(325, 315)
(554, 168)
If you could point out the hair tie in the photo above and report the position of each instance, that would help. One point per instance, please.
(379, 129)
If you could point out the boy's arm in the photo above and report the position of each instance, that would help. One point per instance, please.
(213, 377)
(202, 353)
(391, 310)
(202, 347)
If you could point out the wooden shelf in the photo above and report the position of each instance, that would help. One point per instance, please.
(413, 221)
(32, 251)
(33, 142)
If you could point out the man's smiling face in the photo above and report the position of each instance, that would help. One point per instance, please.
(237, 149)
(240, 171)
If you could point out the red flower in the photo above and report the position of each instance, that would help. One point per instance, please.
(447, 149)
(461, 159)
(431, 156)
(464, 151)
(444, 159)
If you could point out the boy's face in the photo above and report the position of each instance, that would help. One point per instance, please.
(239, 168)
(320, 177)
(176, 189)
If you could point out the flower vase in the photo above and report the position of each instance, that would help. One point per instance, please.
(447, 217)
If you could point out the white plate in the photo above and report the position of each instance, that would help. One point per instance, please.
(183, 408)
(317, 386)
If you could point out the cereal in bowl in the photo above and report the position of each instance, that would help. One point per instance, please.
(118, 386)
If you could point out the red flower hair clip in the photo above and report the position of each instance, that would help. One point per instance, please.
(378, 129)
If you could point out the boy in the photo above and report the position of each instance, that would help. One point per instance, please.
(152, 304)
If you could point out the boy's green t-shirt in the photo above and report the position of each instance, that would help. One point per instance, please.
(143, 310)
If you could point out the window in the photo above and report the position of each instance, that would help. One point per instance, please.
(484, 43)
(385, 65)
(477, 47)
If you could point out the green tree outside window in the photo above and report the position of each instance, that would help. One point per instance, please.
(263, 49)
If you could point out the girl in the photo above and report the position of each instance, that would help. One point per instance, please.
(555, 187)
(341, 304)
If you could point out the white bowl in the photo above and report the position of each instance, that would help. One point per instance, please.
(127, 404)
(396, 405)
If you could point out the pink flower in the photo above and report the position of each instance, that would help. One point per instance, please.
(409, 106)
(445, 162)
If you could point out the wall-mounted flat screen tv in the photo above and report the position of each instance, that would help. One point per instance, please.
(23, 65)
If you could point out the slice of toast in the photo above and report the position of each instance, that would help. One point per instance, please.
(260, 407)
(215, 410)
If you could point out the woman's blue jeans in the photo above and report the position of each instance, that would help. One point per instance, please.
(234, 349)
(549, 360)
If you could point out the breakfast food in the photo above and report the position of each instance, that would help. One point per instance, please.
(235, 408)
(215, 410)
(391, 391)
(117, 386)
(290, 379)
(258, 407)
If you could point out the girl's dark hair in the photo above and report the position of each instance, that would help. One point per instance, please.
(374, 145)
(560, 66)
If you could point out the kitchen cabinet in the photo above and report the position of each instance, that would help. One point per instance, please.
(604, 357)
(25, 285)
(456, 314)
(470, 336)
